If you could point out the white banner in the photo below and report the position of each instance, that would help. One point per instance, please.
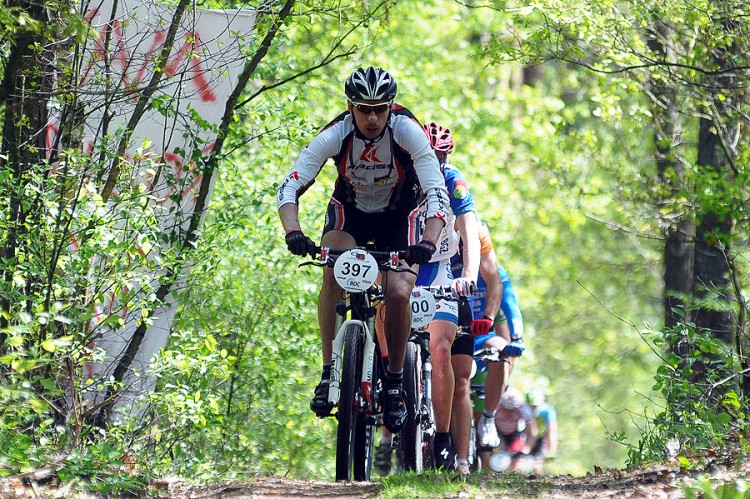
(201, 71)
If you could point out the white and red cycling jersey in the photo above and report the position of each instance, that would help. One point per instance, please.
(513, 421)
(381, 175)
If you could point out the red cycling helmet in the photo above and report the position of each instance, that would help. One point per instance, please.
(441, 138)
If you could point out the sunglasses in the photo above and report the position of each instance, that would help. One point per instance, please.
(369, 108)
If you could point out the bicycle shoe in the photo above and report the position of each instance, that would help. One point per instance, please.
(462, 466)
(444, 457)
(319, 404)
(394, 408)
(488, 437)
(384, 458)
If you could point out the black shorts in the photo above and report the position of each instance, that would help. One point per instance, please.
(465, 315)
(463, 345)
(388, 230)
(464, 342)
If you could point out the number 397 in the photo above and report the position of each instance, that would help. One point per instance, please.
(355, 269)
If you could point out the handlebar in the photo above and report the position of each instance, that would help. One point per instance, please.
(448, 293)
(490, 354)
(387, 260)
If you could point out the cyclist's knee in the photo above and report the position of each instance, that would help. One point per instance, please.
(398, 285)
(496, 342)
(462, 388)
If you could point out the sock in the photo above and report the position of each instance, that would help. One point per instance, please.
(489, 415)
(326, 371)
(386, 439)
(442, 439)
(390, 378)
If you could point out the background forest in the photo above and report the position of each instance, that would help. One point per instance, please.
(604, 143)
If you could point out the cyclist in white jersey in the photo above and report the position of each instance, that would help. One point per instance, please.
(385, 162)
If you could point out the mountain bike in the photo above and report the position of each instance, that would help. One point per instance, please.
(485, 355)
(355, 384)
(415, 441)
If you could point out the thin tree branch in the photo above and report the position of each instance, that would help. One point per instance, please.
(144, 98)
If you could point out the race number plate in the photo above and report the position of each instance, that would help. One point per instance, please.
(355, 270)
(422, 307)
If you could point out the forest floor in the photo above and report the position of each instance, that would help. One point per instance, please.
(727, 466)
(657, 481)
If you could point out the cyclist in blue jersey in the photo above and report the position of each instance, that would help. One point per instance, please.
(385, 164)
(461, 224)
(485, 303)
(444, 326)
(546, 422)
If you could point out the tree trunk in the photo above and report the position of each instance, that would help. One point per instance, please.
(717, 151)
(25, 87)
(713, 233)
(678, 223)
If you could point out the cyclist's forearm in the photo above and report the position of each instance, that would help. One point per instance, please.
(432, 228)
(289, 215)
(466, 223)
(488, 269)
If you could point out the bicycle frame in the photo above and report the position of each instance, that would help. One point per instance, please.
(359, 304)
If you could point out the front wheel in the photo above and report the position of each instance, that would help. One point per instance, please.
(351, 374)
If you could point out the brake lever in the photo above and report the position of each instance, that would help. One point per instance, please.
(317, 264)
(490, 355)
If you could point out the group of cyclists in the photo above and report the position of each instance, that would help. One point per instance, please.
(396, 190)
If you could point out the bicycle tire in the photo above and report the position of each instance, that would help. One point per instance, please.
(412, 437)
(351, 372)
(428, 426)
(474, 461)
(364, 429)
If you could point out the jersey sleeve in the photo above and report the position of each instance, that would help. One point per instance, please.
(458, 190)
(484, 239)
(309, 163)
(510, 307)
(410, 135)
(548, 413)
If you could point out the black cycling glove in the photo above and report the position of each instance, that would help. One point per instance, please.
(420, 253)
(299, 244)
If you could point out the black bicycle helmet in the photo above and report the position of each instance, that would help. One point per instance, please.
(370, 84)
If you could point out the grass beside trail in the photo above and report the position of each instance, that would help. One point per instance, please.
(444, 485)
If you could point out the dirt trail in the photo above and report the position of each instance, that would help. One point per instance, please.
(665, 481)
(658, 481)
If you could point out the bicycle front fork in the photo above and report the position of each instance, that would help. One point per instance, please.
(368, 358)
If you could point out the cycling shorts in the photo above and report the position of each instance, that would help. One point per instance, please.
(439, 274)
(514, 442)
(538, 449)
(387, 230)
(464, 312)
(463, 345)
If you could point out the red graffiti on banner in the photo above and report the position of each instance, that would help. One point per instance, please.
(125, 61)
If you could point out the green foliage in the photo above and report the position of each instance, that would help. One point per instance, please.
(701, 405)
(707, 489)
